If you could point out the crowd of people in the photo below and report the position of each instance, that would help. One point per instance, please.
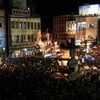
(33, 78)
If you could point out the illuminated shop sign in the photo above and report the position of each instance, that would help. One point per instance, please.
(89, 9)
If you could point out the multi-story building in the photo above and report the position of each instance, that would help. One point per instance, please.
(60, 27)
(87, 23)
(19, 30)
(85, 26)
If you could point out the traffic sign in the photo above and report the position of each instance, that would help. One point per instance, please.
(73, 63)
(73, 76)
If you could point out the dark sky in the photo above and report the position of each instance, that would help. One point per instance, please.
(49, 8)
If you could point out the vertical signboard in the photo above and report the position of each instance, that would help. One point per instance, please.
(72, 52)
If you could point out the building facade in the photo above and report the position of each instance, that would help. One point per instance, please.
(63, 27)
(85, 26)
(60, 27)
(88, 23)
(19, 30)
(3, 40)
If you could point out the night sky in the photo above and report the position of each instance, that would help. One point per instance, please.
(49, 8)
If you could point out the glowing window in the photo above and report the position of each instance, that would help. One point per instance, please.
(90, 25)
(90, 36)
